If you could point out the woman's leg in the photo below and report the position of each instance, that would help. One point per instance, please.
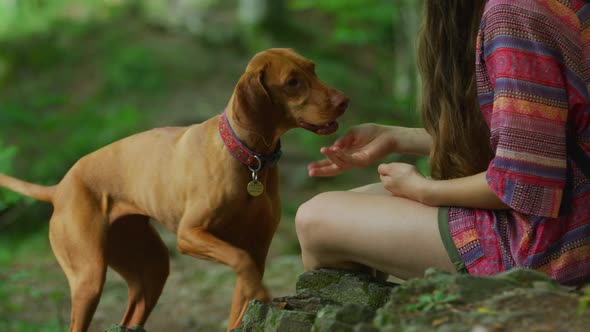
(367, 227)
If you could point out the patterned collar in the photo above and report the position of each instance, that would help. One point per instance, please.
(241, 152)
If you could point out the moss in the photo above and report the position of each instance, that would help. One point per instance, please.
(288, 321)
(317, 280)
(119, 328)
(254, 316)
(345, 287)
(330, 300)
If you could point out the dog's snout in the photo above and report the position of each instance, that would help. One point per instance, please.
(340, 102)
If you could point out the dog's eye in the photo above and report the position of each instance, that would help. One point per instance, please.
(293, 83)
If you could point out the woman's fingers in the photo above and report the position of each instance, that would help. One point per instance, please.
(337, 156)
(384, 169)
(362, 156)
(325, 171)
(342, 156)
(333, 153)
(345, 140)
(321, 163)
(324, 168)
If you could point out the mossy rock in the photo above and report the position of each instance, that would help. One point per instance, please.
(288, 321)
(518, 300)
(345, 287)
(119, 328)
(342, 318)
(340, 301)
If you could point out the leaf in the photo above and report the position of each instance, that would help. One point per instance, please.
(425, 299)
(487, 311)
(584, 301)
(582, 306)
(439, 321)
(451, 298)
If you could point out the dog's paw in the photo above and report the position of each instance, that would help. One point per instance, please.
(256, 292)
(262, 295)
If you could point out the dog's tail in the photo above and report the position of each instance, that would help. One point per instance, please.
(35, 191)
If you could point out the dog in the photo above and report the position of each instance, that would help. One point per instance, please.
(214, 184)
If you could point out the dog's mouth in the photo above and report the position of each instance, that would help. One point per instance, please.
(323, 129)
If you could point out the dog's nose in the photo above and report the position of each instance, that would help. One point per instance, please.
(341, 102)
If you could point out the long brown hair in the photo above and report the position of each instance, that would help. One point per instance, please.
(449, 105)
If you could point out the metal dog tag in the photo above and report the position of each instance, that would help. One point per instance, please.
(255, 188)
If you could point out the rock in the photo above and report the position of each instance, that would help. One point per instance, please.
(325, 300)
(119, 328)
(264, 317)
(342, 317)
(254, 316)
(511, 301)
(340, 301)
(288, 321)
(116, 328)
(345, 287)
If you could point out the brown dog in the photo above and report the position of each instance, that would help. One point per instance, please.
(200, 182)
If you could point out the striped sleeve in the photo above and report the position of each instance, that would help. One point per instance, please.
(522, 47)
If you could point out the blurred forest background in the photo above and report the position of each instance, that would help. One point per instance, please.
(77, 75)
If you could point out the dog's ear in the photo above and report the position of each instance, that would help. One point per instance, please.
(252, 100)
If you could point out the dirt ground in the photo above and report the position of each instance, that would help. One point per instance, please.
(197, 295)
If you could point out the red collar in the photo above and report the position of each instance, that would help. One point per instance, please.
(255, 161)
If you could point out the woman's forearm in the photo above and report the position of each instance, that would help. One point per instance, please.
(472, 191)
(411, 140)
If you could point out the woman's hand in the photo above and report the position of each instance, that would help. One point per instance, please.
(403, 180)
(359, 147)
(365, 144)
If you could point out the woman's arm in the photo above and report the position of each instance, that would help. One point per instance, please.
(405, 180)
(471, 191)
(411, 140)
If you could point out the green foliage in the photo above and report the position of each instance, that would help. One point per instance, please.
(132, 67)
(20, 18)
(423, 166)
(25, 287)
(7, 154)
(18, 285)
(77, 134)
(437, 300)
(584, 301)
(356, 22)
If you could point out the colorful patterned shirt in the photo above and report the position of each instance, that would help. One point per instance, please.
(533, 72)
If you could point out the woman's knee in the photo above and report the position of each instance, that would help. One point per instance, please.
(310, 217)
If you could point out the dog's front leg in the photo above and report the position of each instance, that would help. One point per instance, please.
(197, 242)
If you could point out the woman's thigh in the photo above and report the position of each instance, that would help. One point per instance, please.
(368, 226)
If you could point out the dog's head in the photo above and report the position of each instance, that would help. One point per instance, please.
(280, 90)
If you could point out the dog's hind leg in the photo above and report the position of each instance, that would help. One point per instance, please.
(77, 235)
(135, 250)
